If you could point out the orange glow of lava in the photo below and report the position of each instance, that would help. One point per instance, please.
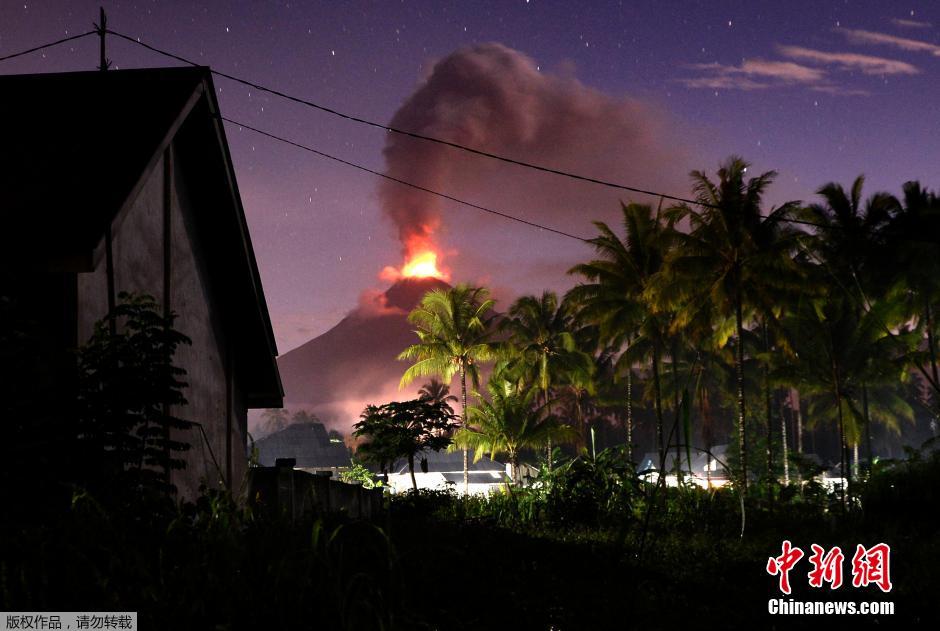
(421, 264)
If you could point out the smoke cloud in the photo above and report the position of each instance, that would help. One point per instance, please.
(497, 99)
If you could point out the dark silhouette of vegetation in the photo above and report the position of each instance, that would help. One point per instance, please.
(454, 329)
(508, 422)
(127, 384)
(719, 312)
(402, 430)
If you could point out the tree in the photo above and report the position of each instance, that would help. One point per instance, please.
(402, 430)
(850, 248)
(304, 417)
(913, 248)
(509, 422)
(436, 391)
(613, 298)
(454, 332)
(544, 346)
(843, 357)
(127, 384)
(722, 269)
(273, 420)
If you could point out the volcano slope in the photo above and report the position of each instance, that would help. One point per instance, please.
(338, 373)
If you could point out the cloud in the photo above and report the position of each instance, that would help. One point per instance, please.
(858, 36)
(850, 61)
(753, 74)
(724, 82)
(910, 23)
(839, 90)
(781, 70)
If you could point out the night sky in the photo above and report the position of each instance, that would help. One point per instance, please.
(640, 92)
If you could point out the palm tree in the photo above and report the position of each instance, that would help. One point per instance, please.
(613, 298)
(541, 333)
(722, 269)
(914, 250)
(436, 391)
(848, 366)
(851, 233)
(454, 332)
(509, 422)
(850, 248)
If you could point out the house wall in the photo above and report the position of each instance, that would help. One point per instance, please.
(140, 265)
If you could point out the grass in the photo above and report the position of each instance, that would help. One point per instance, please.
(565, 555)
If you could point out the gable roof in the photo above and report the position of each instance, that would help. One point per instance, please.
(717, 458)
(75, 149)
(307, 442)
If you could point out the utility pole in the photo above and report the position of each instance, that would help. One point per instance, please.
(102, 29)
(103, 63)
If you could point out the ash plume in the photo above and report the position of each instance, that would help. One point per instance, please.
(497, 99)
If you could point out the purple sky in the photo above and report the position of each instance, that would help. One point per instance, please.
(817, 91)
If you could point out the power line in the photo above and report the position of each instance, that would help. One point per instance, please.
(479, 152)
(49, 45)
(418, 136)
(411, 134)
(405, 182)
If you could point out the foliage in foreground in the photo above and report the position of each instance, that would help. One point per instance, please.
(562, 554)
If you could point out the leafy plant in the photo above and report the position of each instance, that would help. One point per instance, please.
(127, 386)
(359, 474)
(402, 430)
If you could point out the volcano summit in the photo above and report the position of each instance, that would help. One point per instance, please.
(338, 373)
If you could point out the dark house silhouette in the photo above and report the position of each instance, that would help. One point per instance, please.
(122, 181)
(307, 443)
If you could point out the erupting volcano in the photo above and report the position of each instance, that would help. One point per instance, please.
(422, 263)
(353, 364)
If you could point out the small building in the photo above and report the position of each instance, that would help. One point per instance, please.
(308, 444)
(708, 468)
(445, 471)
(122, 181)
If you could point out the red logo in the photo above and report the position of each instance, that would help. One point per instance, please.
(783, 564)
(870, 566)
(826, 568)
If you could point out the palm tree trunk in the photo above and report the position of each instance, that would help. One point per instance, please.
(580, 413)
(799, 423)
(411, 470)
(739, 376)
(842, 448)
(548, 408)
(658, 392)
(629, 415)
(786, 451)
(868, 449)
(768, 400)
(704, 407)
(675, 401)
(932, 351)
(463, 414)
(855, 460)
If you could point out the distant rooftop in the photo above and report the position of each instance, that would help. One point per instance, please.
(449, 462)
(308, 443)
